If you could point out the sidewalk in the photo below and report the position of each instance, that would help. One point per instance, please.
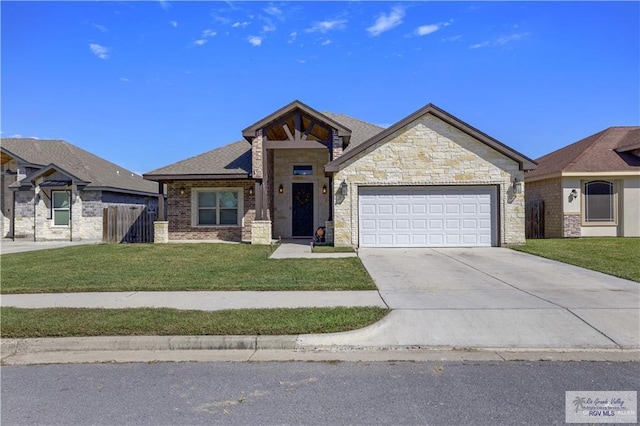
(302, 249)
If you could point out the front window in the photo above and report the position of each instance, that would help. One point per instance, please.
(60, 207)
(216, 207)
(302, 170)
(599, 201)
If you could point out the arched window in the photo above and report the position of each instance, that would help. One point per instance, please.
(599, 201)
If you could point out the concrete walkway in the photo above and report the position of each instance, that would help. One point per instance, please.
(196, 300)
(8, 246)
(302, 249)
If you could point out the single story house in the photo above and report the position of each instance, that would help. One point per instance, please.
(429, 180)
(53, 190)
(591, 187)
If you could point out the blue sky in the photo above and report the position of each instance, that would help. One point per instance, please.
(146, 84)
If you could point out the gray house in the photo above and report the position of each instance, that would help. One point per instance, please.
(429, 180)
(53, 190)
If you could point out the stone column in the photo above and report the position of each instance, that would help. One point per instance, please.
(261, 232)
(161, 232)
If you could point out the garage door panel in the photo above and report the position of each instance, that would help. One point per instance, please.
(427, 216)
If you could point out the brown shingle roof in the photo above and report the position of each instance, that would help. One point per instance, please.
(595, 153)
(235, 159)
(232, 159)
(360, 130)
(99, 172)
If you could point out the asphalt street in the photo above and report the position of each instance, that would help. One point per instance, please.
(398, 393)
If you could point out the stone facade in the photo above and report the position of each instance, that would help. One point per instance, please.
(179, 211)
(572, 225)
(337, 149)
(34, 214)
(549, 191)
(284, 161)
(429, 151)
(161, 232)
(261, 232)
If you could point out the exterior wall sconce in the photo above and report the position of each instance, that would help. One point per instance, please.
(251, 190)
(344, 189)
(573, 195)
(280, 189)
(324, 189)
(517, 186)
(182, 191)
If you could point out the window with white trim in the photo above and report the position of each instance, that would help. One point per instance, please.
(60, 208)
(599, 202)
(216, 206)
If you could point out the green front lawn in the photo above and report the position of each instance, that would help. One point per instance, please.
(614, 256)
(67, 322)
(174, 267)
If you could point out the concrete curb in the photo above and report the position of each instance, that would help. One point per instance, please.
(140, 343)
(269, 348)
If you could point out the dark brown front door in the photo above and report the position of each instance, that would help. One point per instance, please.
(302, 203)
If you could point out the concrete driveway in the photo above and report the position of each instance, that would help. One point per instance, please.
(493, 298)
(8, 246)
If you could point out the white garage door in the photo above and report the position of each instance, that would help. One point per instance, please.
(427, 216)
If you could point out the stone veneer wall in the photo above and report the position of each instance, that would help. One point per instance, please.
(428, 151)
(572, 225)
(284, 160)
(24, 219)
(179, 212)
(550, 191)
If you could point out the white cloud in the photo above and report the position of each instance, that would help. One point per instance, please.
(326, 42)
(100, 28)
(164, 4)
(126, 80)
(268, 28)
(501, 41)
(200, 42)
(427, 29)
(208, 33)
(454, 38)
(100, 51)
(174, 24)
(240, 24)
(387, 22)
(255, 41)
(510, 38)
(273, 10)
(479, 45)
(324, 26)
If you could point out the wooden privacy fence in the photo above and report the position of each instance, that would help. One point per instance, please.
(127, 224)
(534, 216)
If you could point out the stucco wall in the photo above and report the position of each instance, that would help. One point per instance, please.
(428, 151)
(284, 160)
(631, 209)
(179, 212)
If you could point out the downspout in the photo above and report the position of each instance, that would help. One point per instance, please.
(36, 198)
(13, 216)
(71, 213)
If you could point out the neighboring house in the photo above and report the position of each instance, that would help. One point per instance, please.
(591, 187)
(429, 180)
(53, 190)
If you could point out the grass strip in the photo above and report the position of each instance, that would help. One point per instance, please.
(613, 256)
(174, 267)
(75, 322)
